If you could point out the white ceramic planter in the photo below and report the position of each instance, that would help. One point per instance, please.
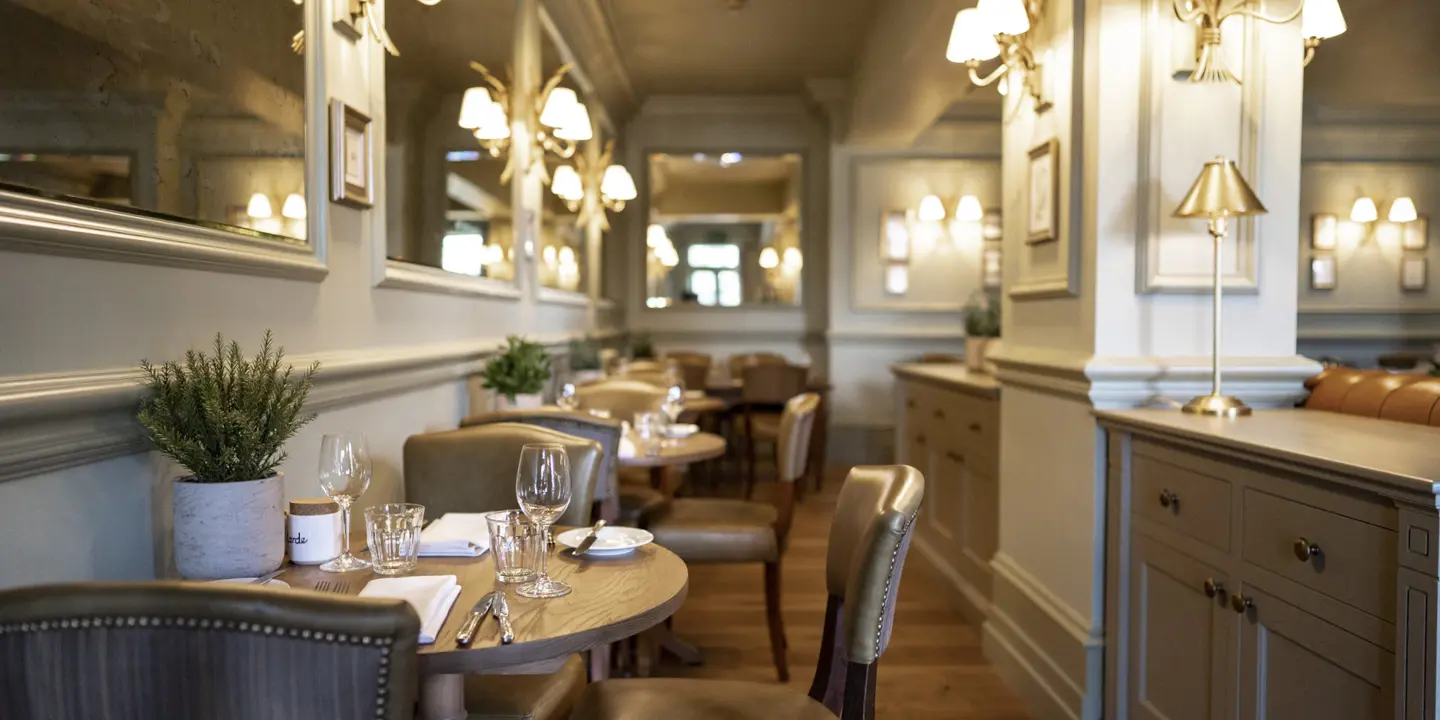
(582, 377)
(975, 350)
(531, 401)
(228, 530)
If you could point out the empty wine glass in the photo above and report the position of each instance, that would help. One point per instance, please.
(542, 485)
(649, 427)
(673, 407)
(567, 399)
(344, 476)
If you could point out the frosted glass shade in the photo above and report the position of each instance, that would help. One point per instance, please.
(1403, 211)
(259, 207)
(931, 209)
(472, 107)
(655, 237)
(294, 207)
(769, 259)
(1005, 17)
(617, 184)
(1322, 19)
(548, 255)
(1364, 211)
(494, 123)
(793, 260)
(566, 183)
(567, 255)
(578, 128)
(969, 209)
(559, 111)
(970, 38)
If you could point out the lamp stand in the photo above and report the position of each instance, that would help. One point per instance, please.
(1216, 404)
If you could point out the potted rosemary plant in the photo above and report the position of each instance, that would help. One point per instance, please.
(226, 420)
(982, 330)
(517, 375)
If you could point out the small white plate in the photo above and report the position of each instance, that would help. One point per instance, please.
(272, 582)
(612, 540)
(680, 430)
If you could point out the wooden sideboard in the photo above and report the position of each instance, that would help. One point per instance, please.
(948, 427)
(1277, 566)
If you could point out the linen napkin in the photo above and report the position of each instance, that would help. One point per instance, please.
(456, 535)
(627, 442)
(430, 595)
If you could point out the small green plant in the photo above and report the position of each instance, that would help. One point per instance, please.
(641, 348)
(982, 317)
(522, 368)
(224, 418)
(584, 354)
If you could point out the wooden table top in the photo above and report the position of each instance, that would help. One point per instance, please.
(709, 403)
(612, 598)
(732, 387)
(697, 448)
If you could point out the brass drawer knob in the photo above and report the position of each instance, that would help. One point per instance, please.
(919, 439)
(939, 414)
(1304, 549)
(1169, 499)
(1239, 603)
(957, 457)
(909, 403)
(974, 427)
(1213, 588)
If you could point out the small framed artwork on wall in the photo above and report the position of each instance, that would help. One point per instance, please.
(1324, 232)
(1414, 274)
(352, 156)
(1322, 273)
(1416, 235)
(1042, 221)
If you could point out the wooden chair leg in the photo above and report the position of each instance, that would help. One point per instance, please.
(749, 459)
(778, 642)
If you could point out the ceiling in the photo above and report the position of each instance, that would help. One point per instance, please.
(751, 169)
(1386, 59)
(766, 46)
(438, 42)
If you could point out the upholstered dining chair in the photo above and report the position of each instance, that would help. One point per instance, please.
(738, 363)
(695, 370)
(764, 390)
(622, 398)
(869, 538)
(201, 650)
(473, 470)
(643, 366)
(716, 530)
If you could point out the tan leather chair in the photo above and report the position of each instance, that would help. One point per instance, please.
(869, 538)
(695, 370)
(623, 398)
(643, 366)
(198, 650)
(709, 530)
(654, 378)
(1402, 397)
(473, 470)
(764, 391)
(738, 363)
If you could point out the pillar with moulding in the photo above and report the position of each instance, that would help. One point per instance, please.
(1108, 296)
(526, 189)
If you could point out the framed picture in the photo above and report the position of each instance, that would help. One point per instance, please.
(1414, 274)
(897, 279)
(990, 227)
(1322, 273)
(1324, 231)
(352, 156)
(1042, 222)
(895, 237)
(1416, 235)
(991, 271)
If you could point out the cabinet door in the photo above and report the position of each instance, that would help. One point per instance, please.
(1296, 666)
(1182, 636)
(944, 510)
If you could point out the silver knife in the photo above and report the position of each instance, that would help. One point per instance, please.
(477, 615)
(502, 613)
(591, 538)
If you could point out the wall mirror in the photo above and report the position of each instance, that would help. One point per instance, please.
(188, 110)
(561, 258)
(724, 230)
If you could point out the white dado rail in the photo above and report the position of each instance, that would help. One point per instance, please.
(52, 422)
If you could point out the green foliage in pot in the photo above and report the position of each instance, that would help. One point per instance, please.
(522, 368)
(982, 317)
(585, 354)
(640, 347)
(225, 418)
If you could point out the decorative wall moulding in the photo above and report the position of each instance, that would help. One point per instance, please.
(412, 276)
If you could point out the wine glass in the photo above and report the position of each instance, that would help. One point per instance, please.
(568, 400)
(344, 476)
(673, 407)
(542, 485)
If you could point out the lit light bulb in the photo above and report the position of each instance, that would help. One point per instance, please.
(560, 108)
(294, 207)
(617, 184)
(578, 127)
(971, 38)
(566, 184)
(1364, 211)
(655, 237)
(769, 259)
(259, 207)
(472, 107)
(1403, 211)
(567, 255)
(1322, 19)
(548, 255)
(793, 259)
(931, 209)
(969, 209)
(493, 123)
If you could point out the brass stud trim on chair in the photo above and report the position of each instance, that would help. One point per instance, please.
(890, 578)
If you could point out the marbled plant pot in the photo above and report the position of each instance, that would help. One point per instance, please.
(229, 530)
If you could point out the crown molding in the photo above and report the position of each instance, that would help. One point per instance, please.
(589, 40)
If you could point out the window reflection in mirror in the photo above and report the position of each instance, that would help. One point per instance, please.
(190, 109)
(724, 231)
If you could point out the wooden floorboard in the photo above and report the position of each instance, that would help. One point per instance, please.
(934, 667)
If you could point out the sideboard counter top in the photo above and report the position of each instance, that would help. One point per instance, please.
(953, 376)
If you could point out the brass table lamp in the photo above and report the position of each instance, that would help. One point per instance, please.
(1217, 195)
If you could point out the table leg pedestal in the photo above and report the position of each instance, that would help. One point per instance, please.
(442, 697)
(675, 645)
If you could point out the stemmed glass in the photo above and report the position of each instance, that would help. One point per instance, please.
(673, 406)
(542, 485)
(344, 476)
(568, 400)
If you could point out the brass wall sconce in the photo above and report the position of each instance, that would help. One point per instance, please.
(562, 124)
(1323, 20)
(999, 28)
(1219, 194)
(359, 10)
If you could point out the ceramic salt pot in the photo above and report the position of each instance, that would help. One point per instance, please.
(314, 534)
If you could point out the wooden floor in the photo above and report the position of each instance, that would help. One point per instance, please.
(934, 667)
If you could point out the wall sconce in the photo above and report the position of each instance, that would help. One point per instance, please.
(259, 207)
(1366, 211)
(932, 212)
(1323, 19)
(563, 121)
(660, 246)
(294, 207)
(613, 182)
(1403, 211)
(769, 259)
(998, 28)
(792, 260)
(359, 9)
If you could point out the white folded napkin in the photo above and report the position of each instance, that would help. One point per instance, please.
(627, 441)
(430, 595)
(456, 535)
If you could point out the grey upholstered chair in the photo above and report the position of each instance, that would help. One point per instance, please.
(712, 530)
(869, 537)
(198, 650)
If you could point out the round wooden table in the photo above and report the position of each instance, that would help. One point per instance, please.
(680, 451)
(612, 598)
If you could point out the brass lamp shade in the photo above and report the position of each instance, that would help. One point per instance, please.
(1220, 191)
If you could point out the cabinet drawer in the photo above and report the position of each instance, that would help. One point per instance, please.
(969, 424)
(1349, 560)
(1182, 500)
